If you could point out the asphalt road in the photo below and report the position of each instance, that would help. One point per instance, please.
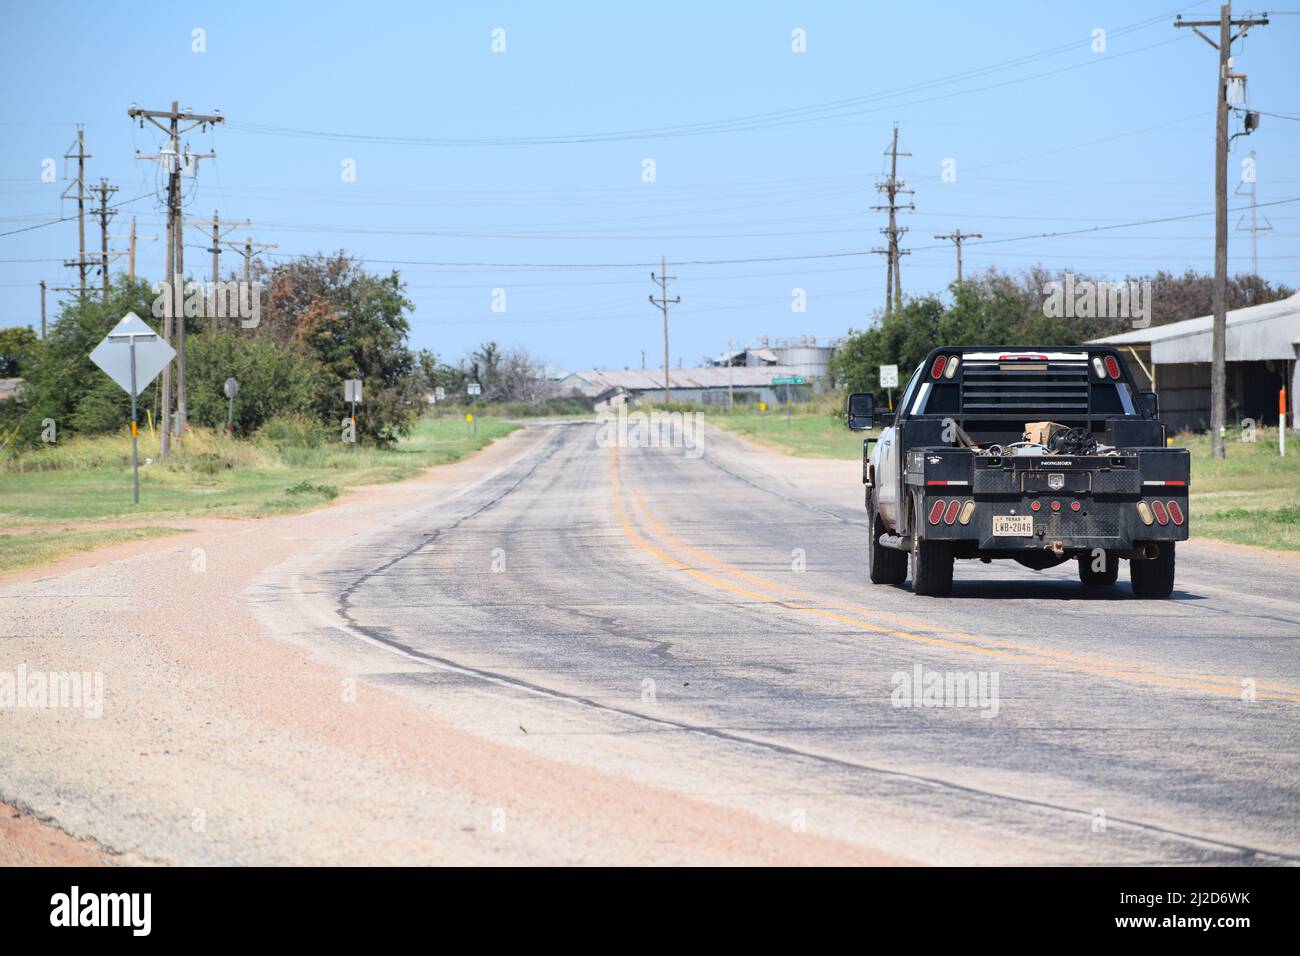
(705, 623)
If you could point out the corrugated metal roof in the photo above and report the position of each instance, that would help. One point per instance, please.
(1268, 331)
(762, 354)
(641, 380)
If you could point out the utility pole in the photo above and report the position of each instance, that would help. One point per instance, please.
(957, 237)
(132, 238)
(105, 214)
(80, 156)
(731, 361)
(1218, 349)
(172, 160)
(893, 188)
(663, 302)
(42, 308)
(247, 249)
(218, 233)
(218, 238)
(1255, 228)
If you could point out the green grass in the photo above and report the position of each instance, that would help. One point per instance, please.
(1251, 497)
(88, 480)
(820, 434)
(30, 549)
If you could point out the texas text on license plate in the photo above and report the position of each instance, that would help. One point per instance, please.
(1013, 526)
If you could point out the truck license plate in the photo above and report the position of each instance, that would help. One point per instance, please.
(1013, 526)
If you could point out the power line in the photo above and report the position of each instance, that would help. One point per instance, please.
(763, 120)
(846, 254)
(53, 222)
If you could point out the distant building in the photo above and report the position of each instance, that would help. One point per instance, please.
(750, 384)
(803, 356)
(1263, 343)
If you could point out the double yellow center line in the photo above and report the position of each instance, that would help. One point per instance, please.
(738, 581)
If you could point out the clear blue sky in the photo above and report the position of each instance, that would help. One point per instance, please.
(1066, 140)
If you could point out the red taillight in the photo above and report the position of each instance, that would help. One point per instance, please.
(1056, 506)
(951, 514)
(1175, 512)
(1034, 505)
(937, 369)
(1112, 367)
(936, 511)
(1074, 506)
(1162, 514)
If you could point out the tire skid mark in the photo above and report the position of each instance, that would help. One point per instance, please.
(918, 631)
(383, 639)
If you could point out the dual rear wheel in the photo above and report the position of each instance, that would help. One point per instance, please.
(1152, 578)
(929, 562)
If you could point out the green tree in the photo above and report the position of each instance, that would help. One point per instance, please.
(19, 348)
(272, 380)
(352, 325)
(62, 382)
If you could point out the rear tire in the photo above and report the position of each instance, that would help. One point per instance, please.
(931, 562)
(884, 565)
(1154, 578)
(1098, 579)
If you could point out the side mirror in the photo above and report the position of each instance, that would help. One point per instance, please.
(1153, 403)
(861, 411)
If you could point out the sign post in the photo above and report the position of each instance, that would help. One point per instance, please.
(132, 355)
(787, 381)
(352, 393)
(232, 389)
(472, 389)
(889, 382)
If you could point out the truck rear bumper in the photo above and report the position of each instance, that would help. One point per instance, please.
(1074, 525)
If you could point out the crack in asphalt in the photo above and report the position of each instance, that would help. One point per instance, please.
(1235, 852)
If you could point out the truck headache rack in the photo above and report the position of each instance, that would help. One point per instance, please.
(1020, 387)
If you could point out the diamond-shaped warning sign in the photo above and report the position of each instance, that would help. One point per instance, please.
(132, 337)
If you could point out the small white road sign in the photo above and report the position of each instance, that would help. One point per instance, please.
(352, 390)
(132, 355)
(889, 376)
(474, 388)
(131, 337)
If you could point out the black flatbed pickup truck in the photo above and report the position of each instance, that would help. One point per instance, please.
(1038, 455)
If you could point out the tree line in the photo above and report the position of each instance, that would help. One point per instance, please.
(323, 320)
(1000, 308)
